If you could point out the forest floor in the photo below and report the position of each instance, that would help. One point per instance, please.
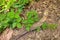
(54, 17)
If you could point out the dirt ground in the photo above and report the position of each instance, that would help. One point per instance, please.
(54, 17)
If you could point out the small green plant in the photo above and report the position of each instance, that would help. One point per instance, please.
(31, 18)
(15, 19)
(50, 26)
(44, 26)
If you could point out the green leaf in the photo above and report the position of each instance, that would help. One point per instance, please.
(5, 25)
(44, 26)
(19, 25)
(32, 15)
(17, 16)
(10, 14)
(30, 21)
(18, 20)
(27, 28)
(23, 2)
(0, 25)
(24, 21)
(2, 16)
(14, 25)
(7, 19)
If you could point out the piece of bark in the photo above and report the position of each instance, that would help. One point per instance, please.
(7, 34)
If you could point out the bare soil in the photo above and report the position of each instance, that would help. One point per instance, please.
(54, 17)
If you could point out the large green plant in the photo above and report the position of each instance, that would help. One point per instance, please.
(10, 19)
